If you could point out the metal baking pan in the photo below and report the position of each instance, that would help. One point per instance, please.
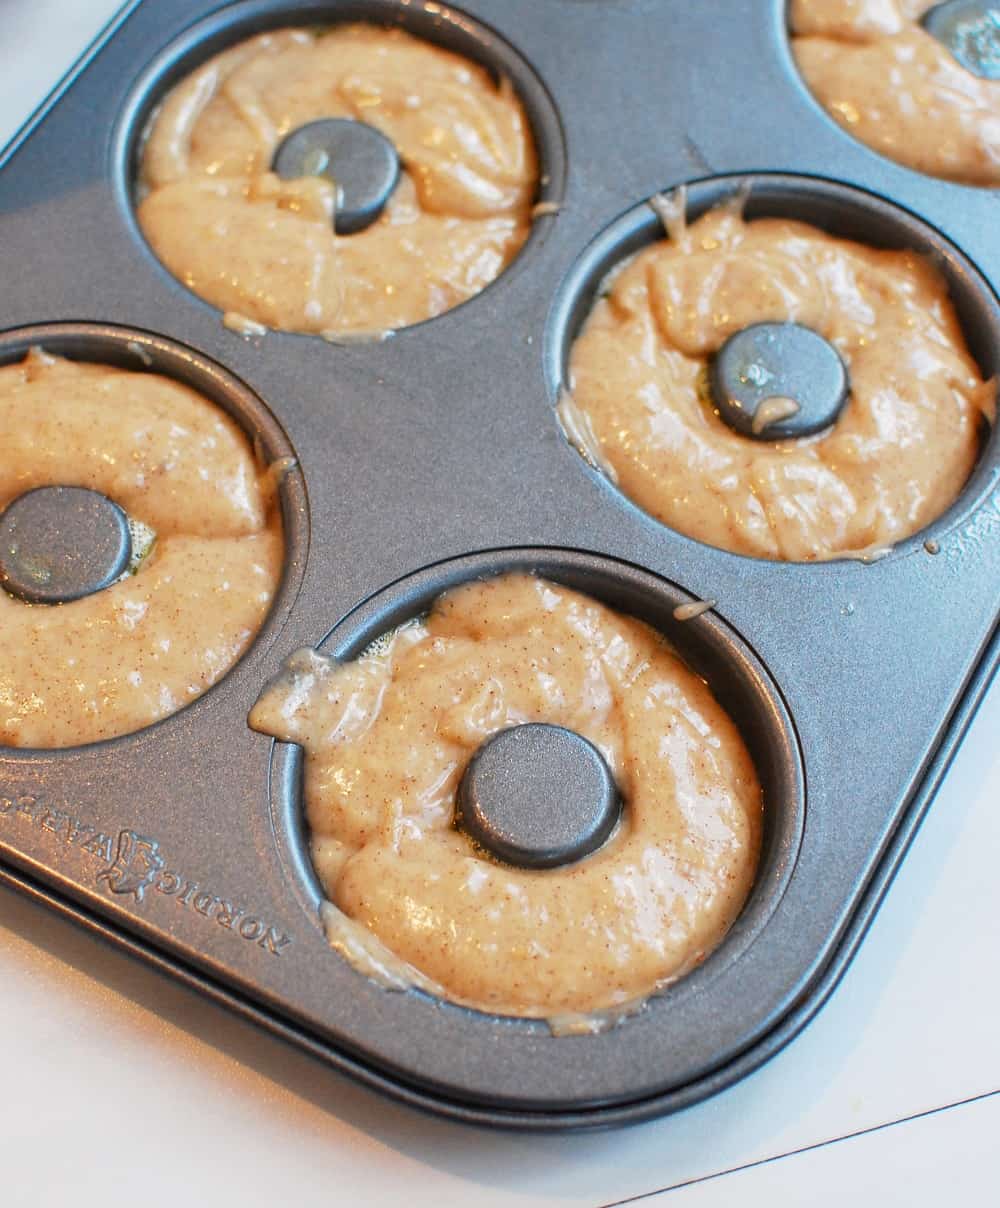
(436, 456)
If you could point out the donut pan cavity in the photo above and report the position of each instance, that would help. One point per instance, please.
(435, 457)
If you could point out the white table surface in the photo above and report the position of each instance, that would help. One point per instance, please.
(121, 1086)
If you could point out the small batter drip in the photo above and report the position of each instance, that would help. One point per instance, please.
(773, 411)
(697, 608)
(580, 433)
(348, 338)
(140, 353)
(671, 209)
(243, 326)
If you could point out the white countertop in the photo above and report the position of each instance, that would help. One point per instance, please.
(123, 1087)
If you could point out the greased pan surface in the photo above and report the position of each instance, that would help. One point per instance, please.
(435, 456)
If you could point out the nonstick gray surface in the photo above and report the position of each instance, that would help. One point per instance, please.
(435, 456)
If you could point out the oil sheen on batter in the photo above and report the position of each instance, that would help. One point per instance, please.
(387, 738)
(264, 249)
(147, 645)
(897, 456)
(892, 85)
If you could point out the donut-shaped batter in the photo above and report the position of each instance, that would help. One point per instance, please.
(891, 84)
(152, 642)
(387, 739)
(895, 459)
(264, 248)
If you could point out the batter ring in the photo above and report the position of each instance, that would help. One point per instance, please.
(388, 737)
(139, 650)
(892, 85)
(895, 459)
(264, 250)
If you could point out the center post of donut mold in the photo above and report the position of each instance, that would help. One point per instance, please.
(538, 796)
(777, 381)
(62, 543)
(358, 159)
(970, 30)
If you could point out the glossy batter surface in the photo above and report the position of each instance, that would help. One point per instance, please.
(892, 85)
(147, 645)
(265, 249)
(901, 449)
(388, 737)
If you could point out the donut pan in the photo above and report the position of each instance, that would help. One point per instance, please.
(435, 456)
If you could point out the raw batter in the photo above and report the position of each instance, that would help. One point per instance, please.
(901, 449)
(264, 249)
(151, 643)
(892, 85)
(388, 737)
